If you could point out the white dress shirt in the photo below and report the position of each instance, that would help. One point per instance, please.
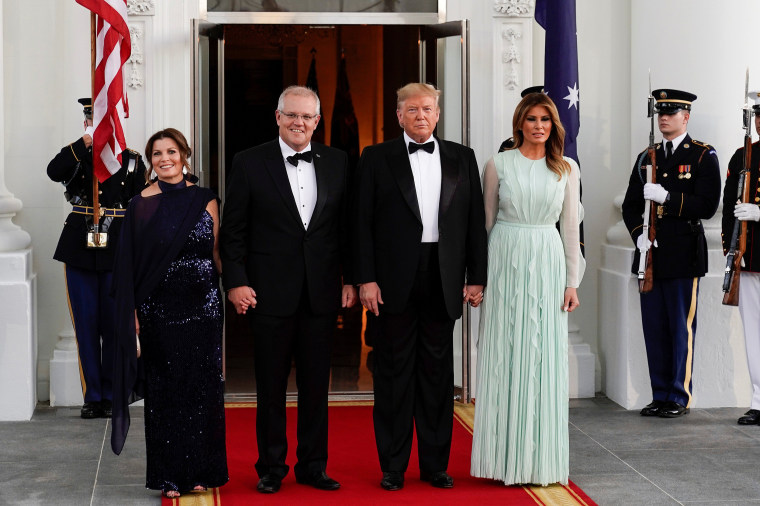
(303, 182)
(426, 169)
(676, 142)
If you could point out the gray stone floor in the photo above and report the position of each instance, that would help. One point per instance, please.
(616, 456)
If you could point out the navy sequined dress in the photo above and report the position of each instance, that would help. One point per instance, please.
(181, 338)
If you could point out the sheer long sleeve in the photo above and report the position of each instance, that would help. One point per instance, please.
(490, 194)
(569, 225)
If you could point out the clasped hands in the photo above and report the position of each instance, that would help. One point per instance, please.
(243, 297)
(472, 294)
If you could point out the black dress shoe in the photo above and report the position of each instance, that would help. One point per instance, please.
(320, 481)
(439, 479)
(652, 409)
(751, 417)
(106, 407)
(392, 480)
(269, 484)
(672, 409)
(91, 410)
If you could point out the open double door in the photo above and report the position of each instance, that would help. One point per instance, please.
(240, 70)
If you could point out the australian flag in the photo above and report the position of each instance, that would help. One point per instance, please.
(557, 17)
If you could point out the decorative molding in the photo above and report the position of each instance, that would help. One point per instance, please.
(136, 58)
(511, 58)
(515, 8)
(141, 7)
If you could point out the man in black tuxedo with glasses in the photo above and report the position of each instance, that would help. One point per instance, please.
(284, 251)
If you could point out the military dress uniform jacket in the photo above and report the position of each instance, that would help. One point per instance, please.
(752, 253)
(73, 168)
(692, 176)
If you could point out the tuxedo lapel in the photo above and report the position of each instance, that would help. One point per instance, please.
(398, 162)
(322, 183)
(449, 179)
(276, 168)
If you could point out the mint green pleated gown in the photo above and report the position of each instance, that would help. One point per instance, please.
(521, 407)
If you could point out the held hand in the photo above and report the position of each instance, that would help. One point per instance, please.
(571, 300)
(747, 212)
(349, 296)
(137, 335)
(655, 192)
(369, 294)
(643, 240)
(473, 294)
(242, 297)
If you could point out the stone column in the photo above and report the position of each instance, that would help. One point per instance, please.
(18, 336)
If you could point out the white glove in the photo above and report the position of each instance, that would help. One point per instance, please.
(90, 130)
(642, 240)
(655, 192)
(747, 212)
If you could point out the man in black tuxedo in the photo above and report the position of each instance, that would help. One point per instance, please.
(419, 229)
(284, 249)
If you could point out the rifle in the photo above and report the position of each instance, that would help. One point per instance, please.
(739, 234)
(646, 275)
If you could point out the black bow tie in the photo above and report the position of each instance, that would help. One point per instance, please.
(428, 146)
(293, 159)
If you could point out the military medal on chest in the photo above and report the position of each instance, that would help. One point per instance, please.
(684, 172)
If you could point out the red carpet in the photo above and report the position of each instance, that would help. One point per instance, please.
(353, 462)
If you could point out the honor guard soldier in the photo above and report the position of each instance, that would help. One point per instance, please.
(88, 260)
(687, 191)
(749, 291)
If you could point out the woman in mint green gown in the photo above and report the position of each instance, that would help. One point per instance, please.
(521, 407)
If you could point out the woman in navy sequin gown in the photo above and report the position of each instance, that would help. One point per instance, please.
(171, 260)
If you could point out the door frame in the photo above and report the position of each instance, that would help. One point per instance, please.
(432, 28)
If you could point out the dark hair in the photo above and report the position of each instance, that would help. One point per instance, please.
(555, 144)
(177, 137)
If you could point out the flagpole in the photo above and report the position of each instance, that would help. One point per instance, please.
(95, 200)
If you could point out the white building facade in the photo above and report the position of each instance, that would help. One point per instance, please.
(700, 46)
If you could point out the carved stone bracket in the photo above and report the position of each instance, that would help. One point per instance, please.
(136, 58)
(511, 57)
(141, 7)
(515, 8)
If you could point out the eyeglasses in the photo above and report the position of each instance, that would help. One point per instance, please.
(292, 116)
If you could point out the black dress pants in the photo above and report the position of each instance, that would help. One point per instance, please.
(414, 375)
(277, 340)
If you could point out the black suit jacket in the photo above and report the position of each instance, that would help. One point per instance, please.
(263, 242)
(752, 254)
(682, 249)
(72, 167)
(388, 228)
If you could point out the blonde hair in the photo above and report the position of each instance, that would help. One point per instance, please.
(415, 90)
(555, 144)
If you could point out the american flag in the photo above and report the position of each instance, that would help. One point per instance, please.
(110, 107)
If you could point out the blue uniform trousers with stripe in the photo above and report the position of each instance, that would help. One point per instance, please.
(92, 314)
(669, 319)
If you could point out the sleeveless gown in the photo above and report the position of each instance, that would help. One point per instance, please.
(181, 338)
(521, 407)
